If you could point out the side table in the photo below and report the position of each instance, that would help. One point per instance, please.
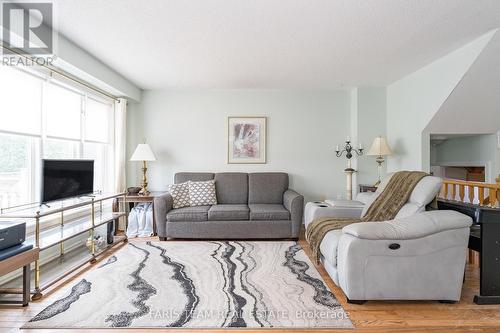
(367, 188)
(24, 260)
(133, 199)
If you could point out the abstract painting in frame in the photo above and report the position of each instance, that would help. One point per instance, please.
(247, 139)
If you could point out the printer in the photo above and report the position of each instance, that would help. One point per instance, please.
(12, 237)
(12, 233)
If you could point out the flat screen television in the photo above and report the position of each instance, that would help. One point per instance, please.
(63, 179)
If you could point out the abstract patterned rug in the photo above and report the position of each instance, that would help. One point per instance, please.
(198, 284)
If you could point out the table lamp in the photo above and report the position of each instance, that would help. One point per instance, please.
(379, 148)
(143, 153)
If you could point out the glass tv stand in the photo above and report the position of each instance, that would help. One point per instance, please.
(59, 221)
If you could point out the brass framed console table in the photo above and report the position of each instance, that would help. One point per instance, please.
(58, 221)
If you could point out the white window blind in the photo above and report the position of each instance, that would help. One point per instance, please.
(64, 109)
(97, 121)
(20, 102)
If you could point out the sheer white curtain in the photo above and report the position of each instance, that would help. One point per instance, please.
(120, 146)
(120, 143)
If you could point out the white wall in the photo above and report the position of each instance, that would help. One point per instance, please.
(188, 132)
(479, 150)
(414, 100)
(474, 105)
(372, 122)
(135, 135)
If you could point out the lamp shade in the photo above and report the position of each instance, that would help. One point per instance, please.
(143, 153)
(379, 147)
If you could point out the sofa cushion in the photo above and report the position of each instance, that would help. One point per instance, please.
(267, 187)
(182, 177)
(232, 187)
(180, 195)
(268, 212)
(202, 193)
(188, 214)
(228, 213)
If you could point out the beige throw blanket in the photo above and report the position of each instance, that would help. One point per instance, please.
(384, 208)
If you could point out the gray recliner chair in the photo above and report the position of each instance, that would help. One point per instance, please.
(417, 256)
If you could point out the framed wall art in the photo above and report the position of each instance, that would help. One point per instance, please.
(247, 140)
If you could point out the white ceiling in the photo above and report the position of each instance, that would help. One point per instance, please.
(176, 44)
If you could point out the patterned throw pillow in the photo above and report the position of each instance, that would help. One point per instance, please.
(202, 193)
(180, 194)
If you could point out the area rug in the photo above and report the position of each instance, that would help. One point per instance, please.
(198, 284)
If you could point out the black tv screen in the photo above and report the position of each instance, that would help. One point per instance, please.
(66, 178)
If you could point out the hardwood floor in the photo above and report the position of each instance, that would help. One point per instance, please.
(373, 316)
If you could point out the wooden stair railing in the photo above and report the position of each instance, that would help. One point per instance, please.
(487, 194)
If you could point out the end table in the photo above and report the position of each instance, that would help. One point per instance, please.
(367, 188)
(134, 199)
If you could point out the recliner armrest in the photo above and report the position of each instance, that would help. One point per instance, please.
(294, 203)
(412, 227)
(162, 205)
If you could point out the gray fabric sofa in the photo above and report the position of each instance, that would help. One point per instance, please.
(249, 206)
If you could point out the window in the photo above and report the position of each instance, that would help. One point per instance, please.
(60, 149)
(98, 135)
(16, 168)
(100, 153)
(46, 118)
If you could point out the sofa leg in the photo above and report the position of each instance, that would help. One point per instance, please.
(445, 301)
(163, 239)
(352, 301)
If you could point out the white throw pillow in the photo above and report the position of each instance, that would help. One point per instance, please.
(202, 193)
(180, 194)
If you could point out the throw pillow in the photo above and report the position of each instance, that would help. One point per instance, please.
(180, 194)
(202, 193)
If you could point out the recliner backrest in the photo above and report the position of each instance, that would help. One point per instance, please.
(424, 192)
